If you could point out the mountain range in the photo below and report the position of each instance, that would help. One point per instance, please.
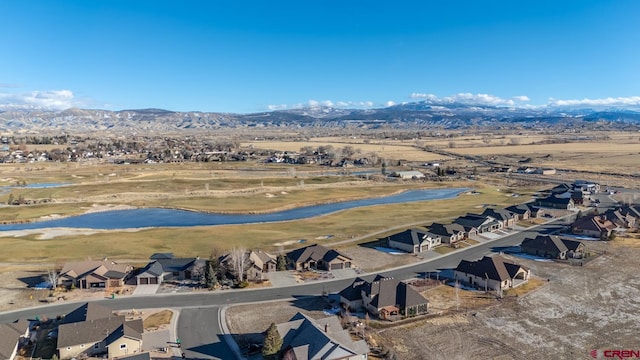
(412, 115)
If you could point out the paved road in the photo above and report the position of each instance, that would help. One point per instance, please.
(198, 325)
(200, 334)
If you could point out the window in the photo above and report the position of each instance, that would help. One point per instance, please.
(123, 346)
(68, 347)
(81, 345)
(96, 346)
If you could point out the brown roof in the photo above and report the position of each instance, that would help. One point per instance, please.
(79, 269)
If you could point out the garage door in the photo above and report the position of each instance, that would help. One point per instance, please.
(144, 281)
(336, 266)
(153, 281)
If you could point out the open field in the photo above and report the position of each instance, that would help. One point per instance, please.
(579, 309)
(29, 246)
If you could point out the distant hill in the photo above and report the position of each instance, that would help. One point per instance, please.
(413, 115)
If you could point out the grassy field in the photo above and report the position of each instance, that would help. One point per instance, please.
(198, 241)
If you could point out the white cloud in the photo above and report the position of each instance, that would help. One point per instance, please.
(39, 100)
(273, 107)
(521, 98)
(389, 103)
(610, 101)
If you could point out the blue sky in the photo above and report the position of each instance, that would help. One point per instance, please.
(247, 56)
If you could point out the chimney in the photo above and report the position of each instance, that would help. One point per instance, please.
(326, 327)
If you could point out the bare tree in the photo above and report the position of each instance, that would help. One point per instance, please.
(486, 138)
(514, 141)
(239, 263)
(52, 278)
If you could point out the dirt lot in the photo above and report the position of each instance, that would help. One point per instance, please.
(571, 311)
(579, 309)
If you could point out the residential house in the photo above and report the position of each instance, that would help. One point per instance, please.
(492, 273)
(414, 241)
(506, 217)
(553, 247)
(261, 263)
(555, 202)
(318, 257)
(561, 189)
(385, 297)
(166, 267)
(624, 217)
(597, 226)
(479, 223)
(351, 297)
(92, 330)
(104, 274)
(588, 187)
(449, 233)
(13, 336)
(307, 338)
(522, 211)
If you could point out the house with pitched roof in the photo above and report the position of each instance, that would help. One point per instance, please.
(93, 330)
(555, 202)
(624, 217)
(597, 226)
(478, 224)
(553, 247)
(261, 263)
(414, 241)
(166, 267)
(494, 273)
(449, 233)
(13, 336)
(307, 338)
(318, 257)
(105, 274)
(386, 297)
(506, 217)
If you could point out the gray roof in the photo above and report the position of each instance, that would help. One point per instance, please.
(314, 253)
(9, 335)
(413, 236)
(470, 221)
(176, 264)
(139, 356)
(152, 269)
(499, 214)
(388, 291)
(494, 268)
(545, 242)
(353, 292)
(131, 329)
(446, 230)
(158, 256)
(87, 311)
(90, 331)
(318, 339)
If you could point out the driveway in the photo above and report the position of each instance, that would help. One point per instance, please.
(344, 273)
(152, 341)
(281, 278)
(143, 290)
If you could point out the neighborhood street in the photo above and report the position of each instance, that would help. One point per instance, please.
(198, 324)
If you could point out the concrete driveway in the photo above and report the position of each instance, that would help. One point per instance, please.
(143, 290)
(282, 278)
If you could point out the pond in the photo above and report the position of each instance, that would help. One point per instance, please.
(155, 217)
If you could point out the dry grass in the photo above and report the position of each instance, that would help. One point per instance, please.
(443, 297)
(531, 285)
(156, 320)
(197, 241)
